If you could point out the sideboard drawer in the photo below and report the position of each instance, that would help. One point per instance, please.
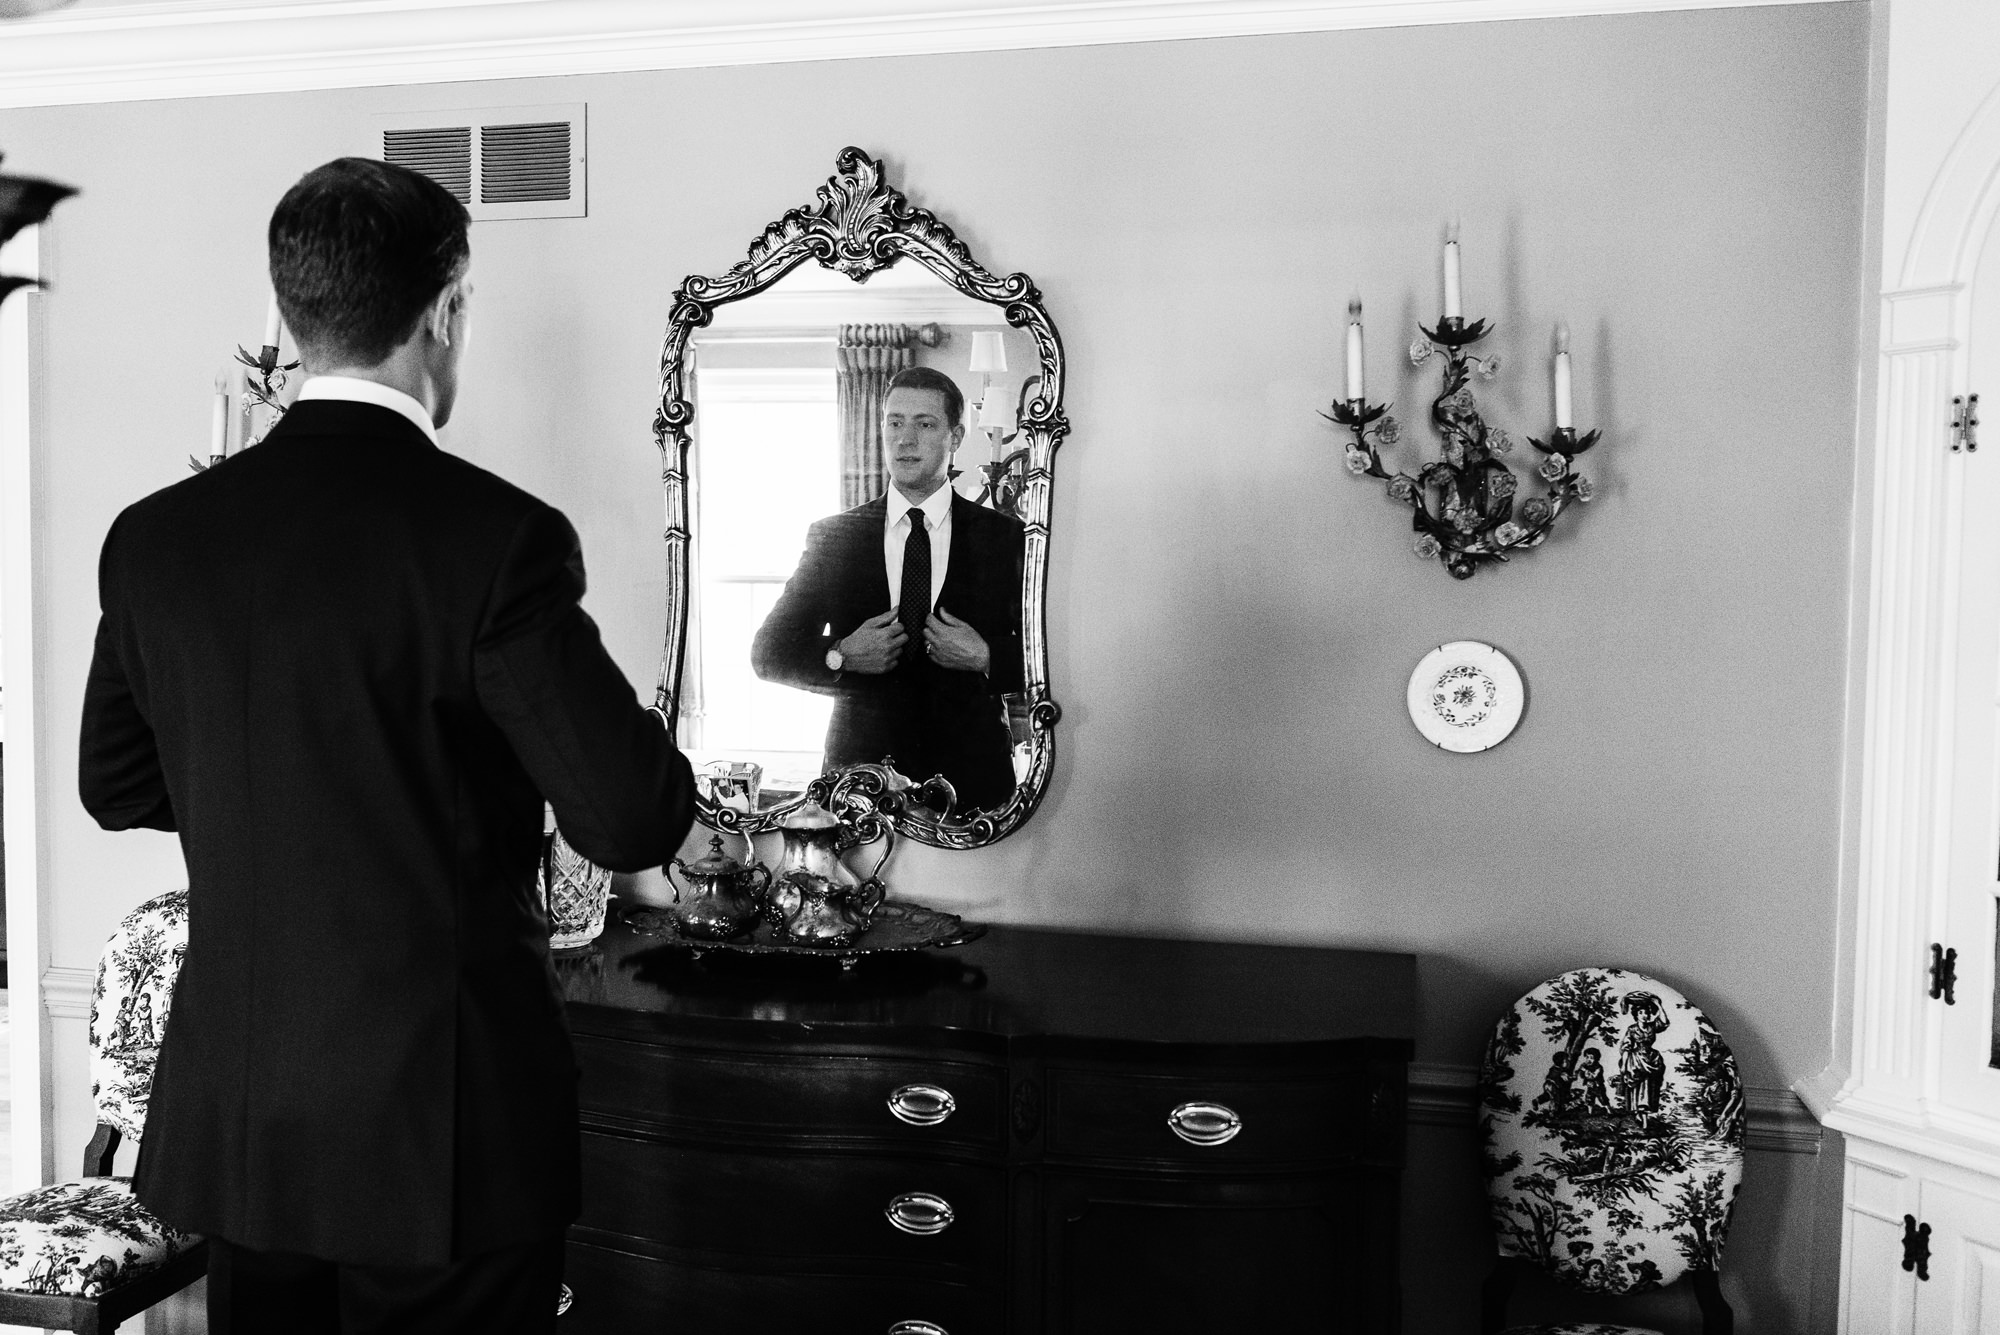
(618, 1293)
(906, 1102)
(1194, 1120)
(814, 1207)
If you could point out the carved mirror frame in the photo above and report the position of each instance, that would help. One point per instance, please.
(858, 226)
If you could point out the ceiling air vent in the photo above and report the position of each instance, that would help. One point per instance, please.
(501, 162)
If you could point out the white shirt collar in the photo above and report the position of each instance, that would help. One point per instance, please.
(936, 507)
(368, 391)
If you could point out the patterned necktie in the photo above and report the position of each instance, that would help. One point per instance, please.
(914, 607)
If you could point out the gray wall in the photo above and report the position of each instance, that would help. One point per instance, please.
(1232, 617)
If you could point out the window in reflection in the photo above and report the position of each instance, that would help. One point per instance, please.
(769, 466)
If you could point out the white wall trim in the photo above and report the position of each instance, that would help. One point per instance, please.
(1869, 1122)
(23, 825)
(200, 48)
(1775, 1119)
(1959, 207)
(66, 991)
(1889, 1086)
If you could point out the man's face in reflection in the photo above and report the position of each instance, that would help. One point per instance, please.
(918, 440)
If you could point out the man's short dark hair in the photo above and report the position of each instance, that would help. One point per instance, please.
(925, 377)
(358, 249)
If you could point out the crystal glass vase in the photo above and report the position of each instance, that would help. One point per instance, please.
(575, 891)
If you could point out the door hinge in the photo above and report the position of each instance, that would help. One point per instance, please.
(1964, 422)
(1944, 973)
(1916, 1246)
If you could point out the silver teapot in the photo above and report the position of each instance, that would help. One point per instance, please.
(725, 898)
(815, 899)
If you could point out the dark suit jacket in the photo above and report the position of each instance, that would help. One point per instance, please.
(347, 667)
(928, 719)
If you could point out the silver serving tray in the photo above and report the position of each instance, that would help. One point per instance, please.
(896, 926)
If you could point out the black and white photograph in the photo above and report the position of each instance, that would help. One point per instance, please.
(999, 667)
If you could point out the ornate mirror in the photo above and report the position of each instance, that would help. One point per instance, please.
(858, 426)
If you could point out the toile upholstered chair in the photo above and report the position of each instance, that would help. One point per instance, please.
(85, 1255)
(1612, 1113)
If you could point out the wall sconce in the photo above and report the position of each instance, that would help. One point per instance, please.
(1464, 507)
(1005, 474)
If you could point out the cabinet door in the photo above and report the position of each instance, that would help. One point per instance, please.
(1193, 1256)
(1877, 1295)
(1962, 1295)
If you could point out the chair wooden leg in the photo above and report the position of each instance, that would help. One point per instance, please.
(1495, 1292)
(1716, 1316)
(100, 1153)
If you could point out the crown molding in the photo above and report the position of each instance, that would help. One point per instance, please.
(203, 48)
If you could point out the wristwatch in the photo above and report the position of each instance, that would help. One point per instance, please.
(835, 660)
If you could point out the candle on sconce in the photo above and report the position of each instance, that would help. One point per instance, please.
(218, 426)
(1563, 406)
(994, 418)
(239, 385)
(1453, 304)
(1354, 389)
(273, 322)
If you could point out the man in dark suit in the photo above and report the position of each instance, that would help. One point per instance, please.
(348, 668)
(907, 610)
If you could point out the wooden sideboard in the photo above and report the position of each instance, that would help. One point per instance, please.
(1039, 1131)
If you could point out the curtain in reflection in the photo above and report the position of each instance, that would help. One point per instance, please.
(867, 357)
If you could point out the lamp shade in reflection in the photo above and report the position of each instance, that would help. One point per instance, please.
(995, 410)
(988, 357)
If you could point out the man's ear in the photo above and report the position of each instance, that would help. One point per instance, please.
(437, 317)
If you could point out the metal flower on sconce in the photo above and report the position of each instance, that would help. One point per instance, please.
(263, 381)
(262, 384)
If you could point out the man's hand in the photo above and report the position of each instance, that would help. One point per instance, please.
(955, 644)
(874, 646)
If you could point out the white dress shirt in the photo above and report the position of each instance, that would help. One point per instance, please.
(368, 391)
(896, 531)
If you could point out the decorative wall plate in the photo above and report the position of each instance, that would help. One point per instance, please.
(1466, 696)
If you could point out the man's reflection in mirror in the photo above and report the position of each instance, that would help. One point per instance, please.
(907, 610)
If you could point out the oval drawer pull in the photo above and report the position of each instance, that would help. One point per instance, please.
(918, 1328)
(922, 1105)
(920, 1213)
(1204, 1123)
